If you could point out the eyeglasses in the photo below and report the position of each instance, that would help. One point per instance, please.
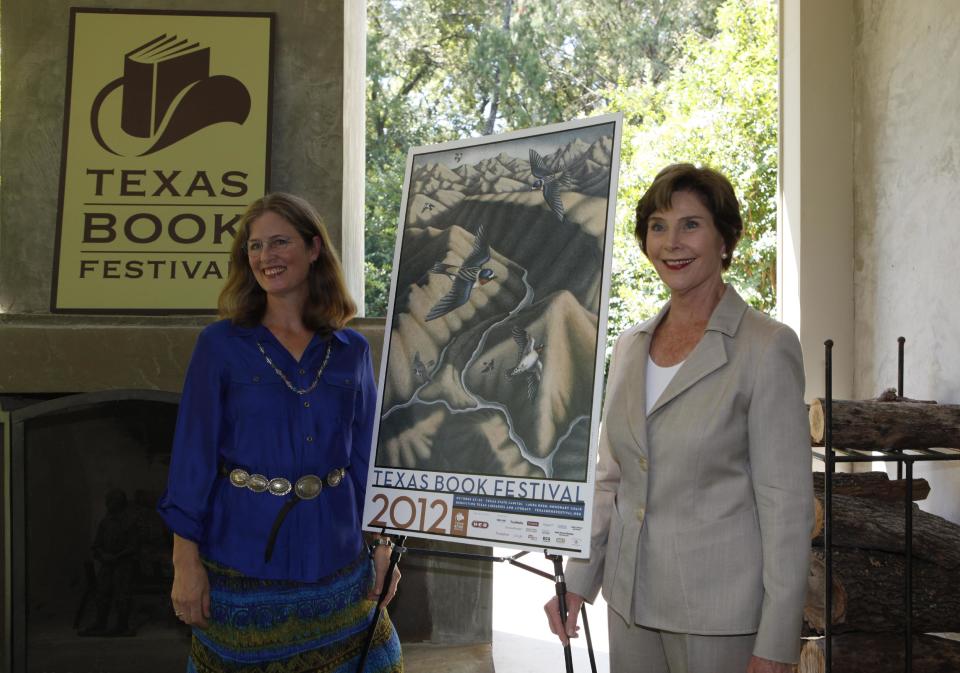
(274, 244)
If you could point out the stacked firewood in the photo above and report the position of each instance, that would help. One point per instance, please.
(868, 546)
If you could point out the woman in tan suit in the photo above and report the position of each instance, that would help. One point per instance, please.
(703, 502)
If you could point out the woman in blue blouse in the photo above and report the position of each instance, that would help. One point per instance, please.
(269, 464)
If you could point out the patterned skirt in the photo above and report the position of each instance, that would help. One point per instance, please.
(260, 626)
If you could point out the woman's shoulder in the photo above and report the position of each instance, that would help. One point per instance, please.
(221, 329)
(758, 323)
(639, 328)
(224, 336)
(762, 334)
(352, 339)
(218, 328)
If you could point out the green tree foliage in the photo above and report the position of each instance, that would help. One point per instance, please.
(717, 107)
(444, 69)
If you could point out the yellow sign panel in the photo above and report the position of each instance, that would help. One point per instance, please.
(166, 140)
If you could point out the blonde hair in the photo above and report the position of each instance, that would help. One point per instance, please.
(242, 300)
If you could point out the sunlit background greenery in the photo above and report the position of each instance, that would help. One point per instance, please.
(695, 79)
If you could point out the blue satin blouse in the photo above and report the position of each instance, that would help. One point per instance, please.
(236, 411)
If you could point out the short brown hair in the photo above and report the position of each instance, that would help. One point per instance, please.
(714, 191)
(242, 300)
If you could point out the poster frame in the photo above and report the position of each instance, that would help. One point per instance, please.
(616, 119)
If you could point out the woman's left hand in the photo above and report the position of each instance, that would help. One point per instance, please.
(761, 665)
(381, 561)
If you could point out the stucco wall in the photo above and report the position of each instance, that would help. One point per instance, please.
(907, 192)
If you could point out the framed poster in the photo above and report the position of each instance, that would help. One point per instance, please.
(166, 140)
(492, 370)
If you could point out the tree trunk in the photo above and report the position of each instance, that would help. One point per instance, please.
(495, 102)
(868, 593)
(881, 653)
(874, 524)
(876, 485)
(870, 425)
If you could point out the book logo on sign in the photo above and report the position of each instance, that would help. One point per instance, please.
(166, 94)
(460, 519)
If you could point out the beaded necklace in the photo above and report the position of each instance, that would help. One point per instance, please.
(298, 391)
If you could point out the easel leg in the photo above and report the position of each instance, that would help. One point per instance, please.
(586, 631)
(561, 585)
(398, 547)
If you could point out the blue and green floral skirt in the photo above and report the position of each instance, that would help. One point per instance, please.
(258, 626)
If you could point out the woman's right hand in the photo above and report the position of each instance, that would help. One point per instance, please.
(552, 608)
(191, 587)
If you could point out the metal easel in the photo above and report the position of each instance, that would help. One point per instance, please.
(558, 579)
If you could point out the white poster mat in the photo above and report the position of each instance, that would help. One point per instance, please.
(492, 370)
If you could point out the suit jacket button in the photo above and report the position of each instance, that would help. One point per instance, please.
(641, 512)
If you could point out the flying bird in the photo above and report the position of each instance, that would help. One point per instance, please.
(465, 276)
(529, 363)
(487, 366)
(549, 183)
(420, 369)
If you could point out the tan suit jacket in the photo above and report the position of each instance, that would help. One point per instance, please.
(702, 510)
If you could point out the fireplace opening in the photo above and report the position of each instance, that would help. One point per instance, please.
(91, 559)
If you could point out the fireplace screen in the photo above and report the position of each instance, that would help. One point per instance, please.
(90, 558)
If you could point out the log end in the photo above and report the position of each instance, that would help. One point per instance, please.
(817, 422)
(817, 519)
(811, 657)
(813, 612)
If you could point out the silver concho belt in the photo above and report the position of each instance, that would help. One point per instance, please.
(307, 487)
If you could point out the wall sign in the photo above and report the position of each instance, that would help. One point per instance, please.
(166, 140)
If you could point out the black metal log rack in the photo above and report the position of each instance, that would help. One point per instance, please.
(905, 459)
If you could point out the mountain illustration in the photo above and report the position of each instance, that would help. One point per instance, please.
(499, 381)
(560, 405)
(411, 331)
(420, 437)
(568, 333)
(587, 164)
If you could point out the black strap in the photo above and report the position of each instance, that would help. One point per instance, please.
(281, 515)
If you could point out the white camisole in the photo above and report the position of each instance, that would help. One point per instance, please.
(658, 378)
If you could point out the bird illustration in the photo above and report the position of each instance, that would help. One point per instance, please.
(420, 370)
(528, 361)
(487, 366)
(465, 276)
(426, 206)
(549, 183)
(458, 156)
